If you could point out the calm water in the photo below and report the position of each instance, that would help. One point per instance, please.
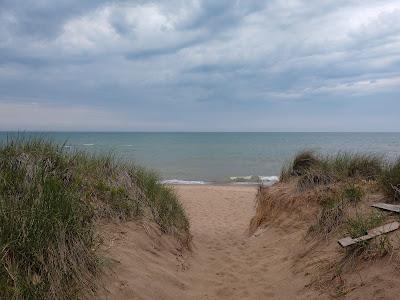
(215, 157)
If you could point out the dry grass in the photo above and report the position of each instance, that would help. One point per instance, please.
(49, 202)
(390, 180)
(327, 198)
(313, 169)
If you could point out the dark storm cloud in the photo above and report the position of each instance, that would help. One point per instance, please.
(179, 63)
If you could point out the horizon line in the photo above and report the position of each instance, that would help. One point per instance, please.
(179, 131)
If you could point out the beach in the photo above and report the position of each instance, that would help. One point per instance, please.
(130, 236)
(228, 262)
(225, 263)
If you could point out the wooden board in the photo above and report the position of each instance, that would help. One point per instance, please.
(385, 206)
(347, 241)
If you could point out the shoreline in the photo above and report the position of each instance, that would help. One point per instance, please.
(218, 184)
(178, 182)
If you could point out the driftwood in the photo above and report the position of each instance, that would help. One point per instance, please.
(347, 241)
(385, 206)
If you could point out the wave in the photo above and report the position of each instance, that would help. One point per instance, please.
(88, 144)
(254, 179)
(178, 181)
(236, 180)
(269, 178)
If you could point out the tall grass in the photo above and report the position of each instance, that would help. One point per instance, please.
(390, 180)
(49, 202)
(313, 169)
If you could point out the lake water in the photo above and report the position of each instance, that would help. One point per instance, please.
(218, 157)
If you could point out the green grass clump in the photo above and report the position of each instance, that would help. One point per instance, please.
(360, 224)
(49, 202)
(352, 193)
(330, 217)
(300, 165)
(370, 249)
(333, 204)
(355, 165)
(313, 169)
(390, 180)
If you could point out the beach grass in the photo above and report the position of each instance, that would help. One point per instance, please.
(50, 201)
(315, 169)
(335, 185)
(390, 180)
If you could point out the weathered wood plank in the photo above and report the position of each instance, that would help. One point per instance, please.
(385, 206)
(347, 241)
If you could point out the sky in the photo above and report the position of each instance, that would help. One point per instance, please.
(200, 65)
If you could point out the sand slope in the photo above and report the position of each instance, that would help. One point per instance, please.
(226, 263)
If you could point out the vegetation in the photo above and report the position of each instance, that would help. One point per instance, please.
(333, 207)
(360, 224)
(315, 169)
(390, 180)
(344, 176)
(352, 193)
(333, 195)
(49, 203)
(330, 217)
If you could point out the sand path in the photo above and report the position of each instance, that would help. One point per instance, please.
(227, 263)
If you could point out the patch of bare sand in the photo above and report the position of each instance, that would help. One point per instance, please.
(226, 263)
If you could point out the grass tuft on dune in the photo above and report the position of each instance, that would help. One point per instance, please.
(314, 169)
(390, 180)
(330, 197)
(50, 200)
(334, 185)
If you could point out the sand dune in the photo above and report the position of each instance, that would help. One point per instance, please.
(226, 263)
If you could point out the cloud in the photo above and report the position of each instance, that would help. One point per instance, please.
(47, 117)
(176, 61)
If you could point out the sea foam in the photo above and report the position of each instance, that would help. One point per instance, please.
(178, 181)
(254, 179)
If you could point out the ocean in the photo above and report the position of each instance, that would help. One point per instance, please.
(239, 158)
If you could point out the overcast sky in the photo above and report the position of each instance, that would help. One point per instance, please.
(204, 65)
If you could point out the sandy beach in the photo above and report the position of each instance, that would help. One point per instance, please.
(226, 263)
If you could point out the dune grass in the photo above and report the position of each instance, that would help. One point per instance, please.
(358, 226)
(50, 200)
(333, 194)
(390, 180)
(314, 169)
